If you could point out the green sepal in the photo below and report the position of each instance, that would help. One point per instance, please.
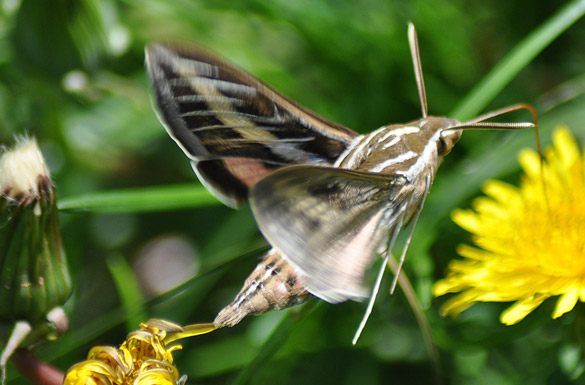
(34, 277)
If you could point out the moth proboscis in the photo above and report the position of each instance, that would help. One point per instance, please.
(325, 197)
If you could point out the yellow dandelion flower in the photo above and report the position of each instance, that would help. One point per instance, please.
(530, 240)
(143, 359)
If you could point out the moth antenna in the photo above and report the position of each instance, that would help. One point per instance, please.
(480, 121)
(420, 83)
(378, 282)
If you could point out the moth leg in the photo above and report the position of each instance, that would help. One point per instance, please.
(273, 285)
(378, 282)
(413, 221)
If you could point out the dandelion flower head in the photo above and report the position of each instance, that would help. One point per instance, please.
(143, 359)
(530, 240)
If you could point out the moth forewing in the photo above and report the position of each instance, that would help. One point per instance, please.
(234, 128)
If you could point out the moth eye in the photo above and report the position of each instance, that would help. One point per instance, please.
(442, 146)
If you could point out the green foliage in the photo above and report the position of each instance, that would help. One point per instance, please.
(72, 74)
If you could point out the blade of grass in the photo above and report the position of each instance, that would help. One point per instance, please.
(137, 200)
(213, 270)
(421, 318)
(275, 342)
(516, 60)
(128, 290)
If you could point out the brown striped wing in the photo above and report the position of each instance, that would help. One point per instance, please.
(328, 223)
(233, 127)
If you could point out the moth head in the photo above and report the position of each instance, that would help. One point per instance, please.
(440, 131)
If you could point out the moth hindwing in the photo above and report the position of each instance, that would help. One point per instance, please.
(325, 197)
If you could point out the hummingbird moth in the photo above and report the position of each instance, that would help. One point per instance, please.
(325, 197)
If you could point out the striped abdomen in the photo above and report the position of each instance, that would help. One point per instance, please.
(272, 285)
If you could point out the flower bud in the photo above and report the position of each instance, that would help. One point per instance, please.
(34, 277)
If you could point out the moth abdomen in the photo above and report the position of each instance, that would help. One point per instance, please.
(272, 285)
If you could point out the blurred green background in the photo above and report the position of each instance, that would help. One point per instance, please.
(72, 74)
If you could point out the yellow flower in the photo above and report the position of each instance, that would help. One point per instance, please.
(143, 359)
(531, 239)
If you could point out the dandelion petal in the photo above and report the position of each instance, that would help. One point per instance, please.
(566, 302)
(521, 309)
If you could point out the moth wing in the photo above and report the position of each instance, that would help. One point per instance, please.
(328, 223)
(233, 127)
